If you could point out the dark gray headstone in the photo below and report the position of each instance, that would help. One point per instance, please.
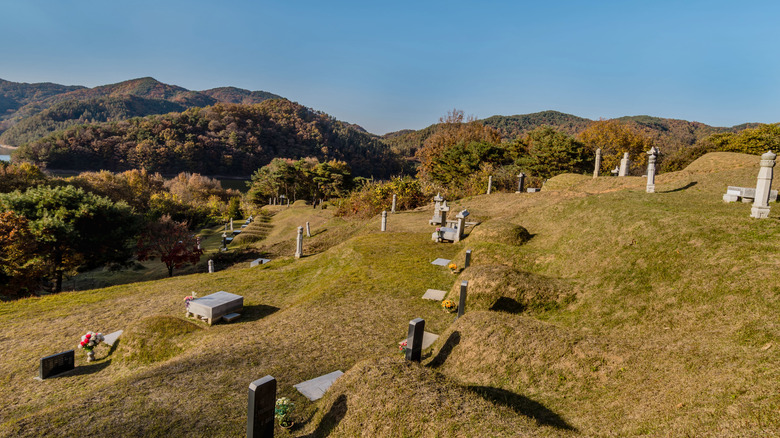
(57, 364)
(414, 340)
(262, 402)
(468, 259)
(462, 302)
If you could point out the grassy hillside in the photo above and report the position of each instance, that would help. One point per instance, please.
(597, 310)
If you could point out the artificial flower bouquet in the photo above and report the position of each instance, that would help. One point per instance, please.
(283, 411)
(89, 342)
(449, 306)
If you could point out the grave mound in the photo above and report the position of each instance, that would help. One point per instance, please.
(506, 289)
(718, 161)
(500, 230)
(482, 348)
(155, 339)
(390, 397)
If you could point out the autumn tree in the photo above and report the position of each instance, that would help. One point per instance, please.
(74, 229)
(615, 139)
(452, 130)
(19, 176)
(20, 265)
(171, 241)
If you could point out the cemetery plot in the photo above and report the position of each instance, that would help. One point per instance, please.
(215, 306)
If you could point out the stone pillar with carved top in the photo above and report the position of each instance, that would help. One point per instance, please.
(760, 208)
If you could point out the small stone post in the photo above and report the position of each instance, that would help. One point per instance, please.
(598, 163)
(392, 209)
(414, 339)
(520, 182)
(260, 409)
(462, 301)
(443, 212)
(467, 263)
(224, 240)
(652, 156)
(624, 165)
(461, 217)
(299, 244)
(760, 208)
(269, 201)
(211, 266)
(308, 230)
(384, 220)
(490, 184)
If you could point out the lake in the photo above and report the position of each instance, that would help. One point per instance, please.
(5, 158)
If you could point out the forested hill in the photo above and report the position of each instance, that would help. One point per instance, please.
(223, 139)
(56, 106)
(670, 135)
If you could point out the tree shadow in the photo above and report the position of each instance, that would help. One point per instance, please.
(508, 305)
(446, 349)
(522, 405)
(253, 313)
(680, 189)
(331, 419)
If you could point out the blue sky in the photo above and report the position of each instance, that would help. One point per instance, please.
(395, 65)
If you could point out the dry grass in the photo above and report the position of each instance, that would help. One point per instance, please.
(673, 332)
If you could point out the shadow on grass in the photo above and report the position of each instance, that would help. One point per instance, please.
(446, 349)
(508, 305)
(680, 189)
(253, 313)
(83, 370)
(522, 405)
(331, 419)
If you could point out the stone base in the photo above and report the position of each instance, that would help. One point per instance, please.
(651, 188)
(759, 212)
(747, 200)
(730, 198)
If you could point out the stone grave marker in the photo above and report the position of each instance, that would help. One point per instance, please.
(760, 208)
(490, 184)
(56, 364)
(111, 338)
(441, 262)
(211, 266)
(434, 294)
(436, 213)
(520, 182)
(299, 244)
(467, 263)
(414, 340)
(214, 306)
(392, 209)
(533, 190)
(652, 156)
(308, 230)
(258, 262)
(384, 220)
(315, 389)
(462, 300)
(598, 163)
(260, 408)
(625, 163)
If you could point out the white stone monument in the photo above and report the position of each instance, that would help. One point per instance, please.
(211, 266)
(624, 165)
(760, 208)
(651, 158)
(392, 209)
(384, 220)
(490, 184)
(308, 230)
(520, 182)
(598, 163)
(299, 244)
(437, 200)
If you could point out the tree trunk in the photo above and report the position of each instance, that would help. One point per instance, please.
(170, 270)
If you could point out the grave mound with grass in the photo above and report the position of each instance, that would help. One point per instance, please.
(506, 289)
(391, 397)
(155, 339)
(500, 230)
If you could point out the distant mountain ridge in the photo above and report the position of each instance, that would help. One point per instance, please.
(133, 98)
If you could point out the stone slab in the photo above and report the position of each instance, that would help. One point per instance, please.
(428, 339)
(258, 262)
(441, 262)
(434, 294)
(214, 306)
(57, 364)
(110, 338)
(315, 388)
(231, 316)
(533, 190)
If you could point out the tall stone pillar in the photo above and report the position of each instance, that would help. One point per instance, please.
(598, 163)
(652, 156)
(384, 221)
(624, 165)
(392, 209)
(490, 184)
(299, 244)
(520, 182)
(760, 208)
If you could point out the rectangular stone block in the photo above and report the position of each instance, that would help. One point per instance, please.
(57, 364)
(214, 306)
